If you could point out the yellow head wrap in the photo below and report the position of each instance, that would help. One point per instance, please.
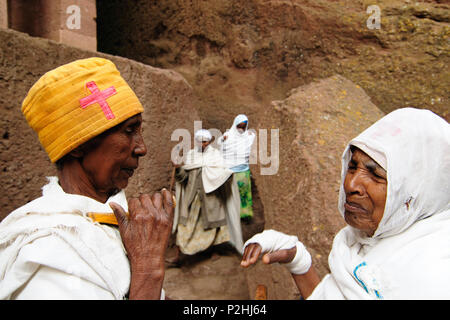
(73, 103)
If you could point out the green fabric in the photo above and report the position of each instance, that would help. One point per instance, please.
(245, 192)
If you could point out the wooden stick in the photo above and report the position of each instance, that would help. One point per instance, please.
(261, 292)
(172, 179)
(172, 183)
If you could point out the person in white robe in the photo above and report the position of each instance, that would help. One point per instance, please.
(207, 211)
(236, 146)
(398, 251)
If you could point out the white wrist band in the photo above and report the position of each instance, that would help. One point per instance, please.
(271, 240)
(301, 262)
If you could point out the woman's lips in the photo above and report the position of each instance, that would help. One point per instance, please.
(128, 171)
(354, 207)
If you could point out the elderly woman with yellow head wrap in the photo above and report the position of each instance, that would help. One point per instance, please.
(60, 246)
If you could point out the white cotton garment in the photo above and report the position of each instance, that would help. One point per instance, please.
(214, 170)
(408, 256)
(236, 148)
(50, 249)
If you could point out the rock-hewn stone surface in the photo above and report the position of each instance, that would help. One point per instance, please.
(237, 52)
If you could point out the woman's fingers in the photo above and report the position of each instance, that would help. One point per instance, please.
(281, 256)
(253, 251)
(157, 200)
(147, 204)
(134, 206)
(145, 232)
(119, 212)
(244, 262)
(247, 251)
(168, 204)
(251, 254)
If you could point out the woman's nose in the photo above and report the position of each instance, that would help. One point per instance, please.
(354, 183)
(140, 149)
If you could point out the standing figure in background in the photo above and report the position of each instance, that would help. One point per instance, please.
(236, 145)
(207, 211)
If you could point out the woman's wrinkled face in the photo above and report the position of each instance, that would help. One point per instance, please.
(112, 162)
(365, 187)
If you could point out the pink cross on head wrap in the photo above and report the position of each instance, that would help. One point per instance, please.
(99, 97)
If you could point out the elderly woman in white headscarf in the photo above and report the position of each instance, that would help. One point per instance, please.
(395, 198)
(236, 146)
(206, 214)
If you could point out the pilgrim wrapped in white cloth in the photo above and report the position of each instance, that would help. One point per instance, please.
(236, 147)
(407, 256)
(207, 211)
(236, 144)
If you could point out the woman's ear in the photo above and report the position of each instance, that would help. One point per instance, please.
(88, 146)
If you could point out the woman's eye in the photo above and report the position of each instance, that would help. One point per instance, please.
(131, 130)
(377, 176)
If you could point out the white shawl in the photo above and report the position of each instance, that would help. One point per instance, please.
(53, 235)
(214, 174)
(408, 257)
(214, 170)
(236, 148)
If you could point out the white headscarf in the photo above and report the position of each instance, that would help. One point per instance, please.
(408, 257)
(202, 135)
(237, 147)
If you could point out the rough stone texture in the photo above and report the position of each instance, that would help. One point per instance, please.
(208, 275)
(316, 122)
(235, 53)
(56, 20)
(168, 100)
(3, 14)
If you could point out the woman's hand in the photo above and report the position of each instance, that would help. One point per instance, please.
(279, 247)
(177, 165)
(145, 234)
(254, 250)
